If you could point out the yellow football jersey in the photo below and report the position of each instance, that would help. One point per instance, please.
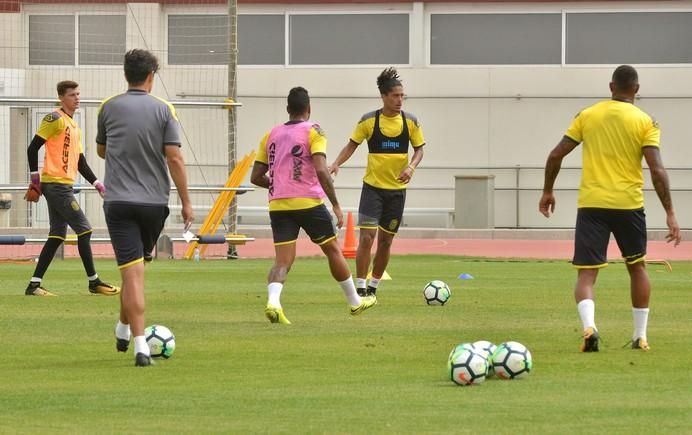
(388, 155)
(613, 134)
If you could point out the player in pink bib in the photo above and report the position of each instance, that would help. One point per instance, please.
(288, 147)
(292, 164)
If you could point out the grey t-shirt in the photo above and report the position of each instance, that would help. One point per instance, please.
(134, 127)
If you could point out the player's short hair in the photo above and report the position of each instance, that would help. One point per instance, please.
(138, 64)
(387, 80)
(625, 77)
(298, 101)
(65, 85)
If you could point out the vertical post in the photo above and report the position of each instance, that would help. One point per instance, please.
(517, 179)
(19, 131)
(232, 132)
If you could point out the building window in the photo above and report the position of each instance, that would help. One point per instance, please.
(101, 39)
(629, 37)
(495, 39)
(261, 39)
(349, 39)
(198, 39)
(203, 39)
(314, 39)
(51, 40)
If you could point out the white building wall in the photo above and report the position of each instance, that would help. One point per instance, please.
(483, 116)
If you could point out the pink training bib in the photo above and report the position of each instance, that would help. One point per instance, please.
(291, 171)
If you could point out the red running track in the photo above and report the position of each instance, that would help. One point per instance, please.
(494, 248)
(539, 249)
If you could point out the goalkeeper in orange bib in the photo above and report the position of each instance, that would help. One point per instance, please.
(64, 157)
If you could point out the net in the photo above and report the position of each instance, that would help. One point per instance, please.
(44, 42)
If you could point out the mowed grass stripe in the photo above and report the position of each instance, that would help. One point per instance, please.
(329, 372)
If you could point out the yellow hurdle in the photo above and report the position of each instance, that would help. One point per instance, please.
(216, 213)
(223, 201)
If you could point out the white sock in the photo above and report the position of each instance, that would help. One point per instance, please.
(350, 291)
(640, 317)
(274, 292)
(34, 279)
(360, 283)
(587, 313)
(122, 331)
(141, 345)
(374, 282)
(93, 277)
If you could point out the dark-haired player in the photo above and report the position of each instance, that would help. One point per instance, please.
(292, 165)
(139, 137)
(615, 135)
(64, 157)
(388, 131)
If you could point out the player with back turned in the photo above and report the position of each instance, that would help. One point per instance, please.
(615, 135)
(292, 165)
(139, 137)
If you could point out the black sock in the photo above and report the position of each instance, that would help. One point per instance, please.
(46, 256)
(84, 246)
(360, 291)
(371, 290)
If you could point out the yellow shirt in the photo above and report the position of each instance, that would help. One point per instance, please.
(318, 144)
(613, 135)
(383, 169)
(63, 147)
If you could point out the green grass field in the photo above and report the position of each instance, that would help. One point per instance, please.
(381, 372)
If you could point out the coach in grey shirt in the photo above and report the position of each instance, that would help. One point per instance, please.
(134, 127)
(138, 136)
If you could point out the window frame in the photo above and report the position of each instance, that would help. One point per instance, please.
(75, 38)
(287, 13)
(393, 11)
(75, 15)
(612, 10)
(166, 39)
(446, 9)
(97, 13)
(177, 12)
(428, 37)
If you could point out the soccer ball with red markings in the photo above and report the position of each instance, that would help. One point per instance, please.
(512, 360)
(436, 293)
(161, 341)
(459, 348)
(467, 367)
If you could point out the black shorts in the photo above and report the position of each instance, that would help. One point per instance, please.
(316, 221)
(592, 234)
(134, 229)
(381, 207)
(64, 210)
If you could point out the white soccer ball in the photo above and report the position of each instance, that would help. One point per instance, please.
(487, 349)
(467, 367)
(436, 293)
(512, 360)
(458, 348)
(161, 341)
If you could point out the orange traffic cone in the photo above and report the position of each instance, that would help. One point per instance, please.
(349, 249)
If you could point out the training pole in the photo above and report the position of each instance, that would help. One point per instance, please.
(232, 134)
